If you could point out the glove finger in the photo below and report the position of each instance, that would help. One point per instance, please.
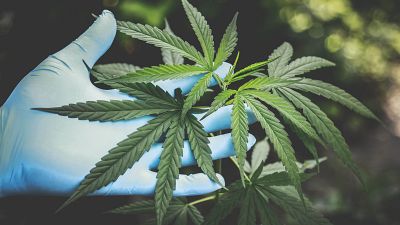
(186, 84)
(221, 119)
(144, 183)
(221, 147)
(92, 44)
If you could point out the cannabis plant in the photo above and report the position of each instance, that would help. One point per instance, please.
(267, 87)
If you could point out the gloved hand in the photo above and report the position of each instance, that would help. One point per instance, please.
(43, 153)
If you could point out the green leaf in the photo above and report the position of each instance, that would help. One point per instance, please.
(143, 206)
(195, 215)
(176, 207)
(113, 70)
(202, 31)
(123, 156)
(247, 214)
(287, 198)
(197, 91)
(168, 219)
(219, 101)
(255, 67)
(147, 92)
(226, 203)
(259, 155)
(307, 141)
(325, 128)
(161, 39)
(267, 216)
(219, 80)
(228, 78)
(240, 132)
(311, 164)
(280, 179)
(303, 65)
(278, 166)
(182, 217)
(168, 168)
(169, 57)
(287, 110)
(334, 93)
(112, 110)
(198, 141)
(279, 138)
(265, 83)
(228, 43)
(282, 56)
(247, 167)
(256, 174)
(157, 73)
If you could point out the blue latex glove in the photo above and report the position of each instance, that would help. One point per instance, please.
(43, 153)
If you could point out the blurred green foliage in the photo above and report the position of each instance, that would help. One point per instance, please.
(367, 40)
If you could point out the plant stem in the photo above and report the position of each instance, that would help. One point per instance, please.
(218, 166)
(202, 200)
(237, 165)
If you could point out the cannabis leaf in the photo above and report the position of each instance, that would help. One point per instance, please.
(169, 57)
(219, 101)
(259, 155)
(112, 70)
(286, 109)
(266, 83)
(157, 73)
(336, 94)
(178, 211)
(123, 156)
(161, 39)
(325, 128)
(265, 213)
(282, 56)
(168, 169)
(248, 70)
(240, 131)
(152, 100)
(288, 200)
(308, 142)
(198, 141)
(226, 203)
(112, 110)
(143, 206)
(202, 31)
(277, 88)
(304, 65)
(247, 214)
(147, 92)
(318, 119)
(173, 47)
(197, 91)
(279, 138)
(253, 200)
(228, 43)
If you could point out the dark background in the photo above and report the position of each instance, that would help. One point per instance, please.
(362, 37)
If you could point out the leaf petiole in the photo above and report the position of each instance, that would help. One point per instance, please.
(237, 165)
(205, 199)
